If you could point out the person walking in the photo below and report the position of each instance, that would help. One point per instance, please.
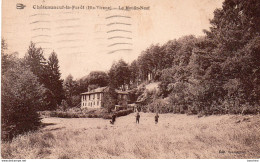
(137, 117)
(156, 118)
(113, 119)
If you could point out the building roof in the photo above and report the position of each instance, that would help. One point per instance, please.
(121, 92)
(97, 90)
(102, 89)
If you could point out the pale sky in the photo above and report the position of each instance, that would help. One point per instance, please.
(87, 40)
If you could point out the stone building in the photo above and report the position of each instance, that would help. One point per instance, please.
(95, 98)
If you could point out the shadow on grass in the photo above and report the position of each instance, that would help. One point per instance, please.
(43, 125)
(54, 129)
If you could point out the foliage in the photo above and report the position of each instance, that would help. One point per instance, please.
(123, 112)
(215, 74)
(92, 87)
(98, 78)
(133, 68)
(75, 100)
(160, 106)
(232, 75)
(48, 74)
(135, 93)
(34, 58)
(119, 74)
(53, 81)
(78, 113)
(21, 97)
(70, 88)
(6, 58)
(147, 97)
(111, 99)
(64, 105)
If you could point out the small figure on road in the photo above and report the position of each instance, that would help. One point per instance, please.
(137, 117)
(156, 118)
(113, 119)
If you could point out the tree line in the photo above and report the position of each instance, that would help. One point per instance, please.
(213, 74)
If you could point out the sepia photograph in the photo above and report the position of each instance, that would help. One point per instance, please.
(130, 79)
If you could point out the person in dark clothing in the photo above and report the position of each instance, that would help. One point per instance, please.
(137, 117)
(156, 118)
(113, 119)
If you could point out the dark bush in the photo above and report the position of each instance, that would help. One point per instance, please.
(21, 98)
(123, 112)
(107, 116)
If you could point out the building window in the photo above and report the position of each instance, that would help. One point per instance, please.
(97, 103)
(93, 96)
(88, 97)
(98, 96)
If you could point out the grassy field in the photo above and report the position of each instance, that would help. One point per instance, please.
(175, 136)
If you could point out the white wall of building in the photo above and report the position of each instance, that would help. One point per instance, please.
(91, 100)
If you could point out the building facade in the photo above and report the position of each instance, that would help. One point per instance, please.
(95, 98)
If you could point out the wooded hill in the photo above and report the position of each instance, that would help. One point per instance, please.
(215, 73)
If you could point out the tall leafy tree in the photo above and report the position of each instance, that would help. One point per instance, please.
(53, 81)
(110, 96)
(34, 58)
(21, 97)
(7, 59)
(70, 87)
(134, 72)
(48, 74)
(98, 78)
(235, 32)
(119, 74)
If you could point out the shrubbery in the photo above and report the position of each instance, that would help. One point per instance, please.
(118, 113)
(159, 105)
(123, 112)
(78, 113)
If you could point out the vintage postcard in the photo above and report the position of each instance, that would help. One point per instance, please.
(130, 79)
